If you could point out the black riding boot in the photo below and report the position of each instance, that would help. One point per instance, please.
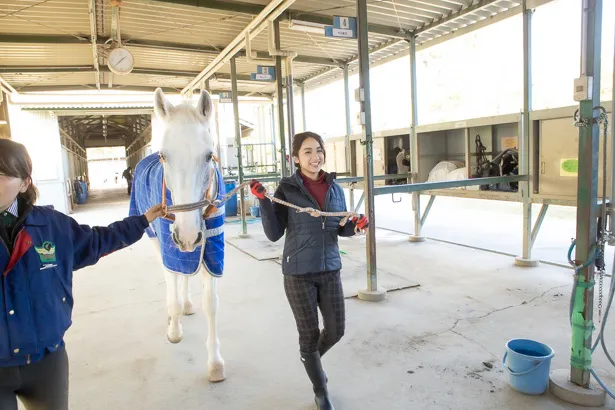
(313, 368)
(322, 349)
(322, 346)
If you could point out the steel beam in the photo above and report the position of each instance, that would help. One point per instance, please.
(525, 259)
(432, 198)
(5, 84)
(303, 109)
(612, 169)
(105, 69)
(254, 9)
(353, 59)
(348, 131)
(90, 87)
(429, 186)
(348, 117)
(587, 197)
(414, 146)
(270, 12)
(372, 293)
(538, 224)
(280, 97)
(244, 226)
(290, 107)
(152, 44)
(93, 34)
(273, 135)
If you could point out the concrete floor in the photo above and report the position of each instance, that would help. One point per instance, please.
(423, 348)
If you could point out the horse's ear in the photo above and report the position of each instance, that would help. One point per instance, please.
(162, 107)
(205, 106)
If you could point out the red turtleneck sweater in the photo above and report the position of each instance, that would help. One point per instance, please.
(318, 189)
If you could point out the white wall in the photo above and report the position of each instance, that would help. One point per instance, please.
(40, 133)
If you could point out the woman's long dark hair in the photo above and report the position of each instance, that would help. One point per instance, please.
(298, 142)
(16, 162)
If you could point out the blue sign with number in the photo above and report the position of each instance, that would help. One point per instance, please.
(263, 73)
(226, 97)
(343, 27)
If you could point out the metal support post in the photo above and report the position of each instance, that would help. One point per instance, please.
(576, 388)
(303, 110)
(290, 110)
(612, 168)
(414, 146)
(372, 293)
(280, 97)
(273, 138)
(524, 143)
(348, 132)
(587, 198)
(244, 225)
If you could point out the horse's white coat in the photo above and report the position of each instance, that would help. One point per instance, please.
(187, 147)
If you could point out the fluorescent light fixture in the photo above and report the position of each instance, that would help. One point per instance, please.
(306, 26)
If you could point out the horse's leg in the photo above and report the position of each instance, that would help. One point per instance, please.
(188, 308)
(174, 307)
(215, 362)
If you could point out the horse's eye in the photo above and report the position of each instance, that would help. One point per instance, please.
(209, 156)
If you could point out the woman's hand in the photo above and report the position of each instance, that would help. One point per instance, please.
(361, 222)
(155, 212)
(257, 189)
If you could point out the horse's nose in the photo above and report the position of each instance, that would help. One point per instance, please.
(199, 239)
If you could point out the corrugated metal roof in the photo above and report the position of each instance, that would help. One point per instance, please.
(155, 27)
(19, 54)
(45, 17)
(177, 23)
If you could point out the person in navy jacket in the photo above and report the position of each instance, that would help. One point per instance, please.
(39, 250)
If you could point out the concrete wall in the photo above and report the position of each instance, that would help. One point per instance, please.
(40, 133)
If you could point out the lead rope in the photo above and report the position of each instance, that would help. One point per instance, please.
(316, 213)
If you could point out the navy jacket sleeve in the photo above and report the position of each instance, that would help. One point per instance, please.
(92, 243)
(274, 216)
(348, 229)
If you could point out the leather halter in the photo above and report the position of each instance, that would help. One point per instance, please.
(206, 203)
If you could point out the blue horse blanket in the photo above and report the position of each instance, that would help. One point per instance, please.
(147, 192)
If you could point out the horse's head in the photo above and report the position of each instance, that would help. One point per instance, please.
(187, 150)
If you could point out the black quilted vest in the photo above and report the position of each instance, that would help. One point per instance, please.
(311, 243)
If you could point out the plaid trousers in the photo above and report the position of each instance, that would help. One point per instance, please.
(307, 293)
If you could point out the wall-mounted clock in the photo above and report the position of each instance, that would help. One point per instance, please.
(120, 61)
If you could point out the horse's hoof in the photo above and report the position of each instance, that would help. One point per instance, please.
(217, 373)
(188, 309)
(175, 338)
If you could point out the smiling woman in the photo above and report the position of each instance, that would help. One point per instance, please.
(311, 261)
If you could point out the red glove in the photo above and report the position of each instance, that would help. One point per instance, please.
(361, 222)
(258, 190)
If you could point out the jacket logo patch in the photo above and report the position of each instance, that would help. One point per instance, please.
(47, 252)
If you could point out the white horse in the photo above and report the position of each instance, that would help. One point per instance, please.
(186, 164)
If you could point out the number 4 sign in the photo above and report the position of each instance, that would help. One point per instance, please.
(343, 27)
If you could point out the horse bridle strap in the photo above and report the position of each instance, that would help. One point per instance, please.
(206, 202)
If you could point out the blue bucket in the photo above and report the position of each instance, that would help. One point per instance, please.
(230, 207)
(528, 365)
(255, 211)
